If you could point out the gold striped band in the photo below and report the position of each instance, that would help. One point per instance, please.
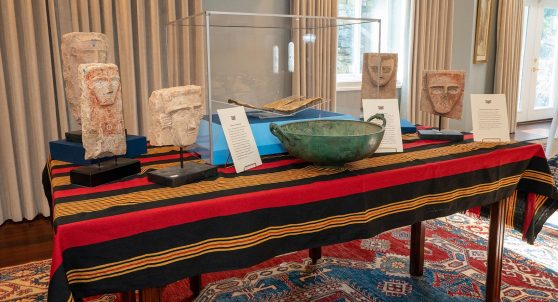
(244, 241)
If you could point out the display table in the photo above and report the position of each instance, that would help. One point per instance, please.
(134, 234)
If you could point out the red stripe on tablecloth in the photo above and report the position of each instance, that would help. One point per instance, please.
(78, 233)
(271, 165)
(165, 157)
(426, 142)
(529, 212)
(136, 182)
(56, 171)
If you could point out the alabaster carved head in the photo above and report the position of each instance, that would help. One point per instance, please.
(175, 115)
(80, 48)
(442, 92)
(379, 75)
(103, 132)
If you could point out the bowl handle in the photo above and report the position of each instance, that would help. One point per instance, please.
(277, 131)
(379, 116)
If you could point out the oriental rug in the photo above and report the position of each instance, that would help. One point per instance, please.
(374, 269)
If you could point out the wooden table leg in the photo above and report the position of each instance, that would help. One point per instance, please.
(417, 249)
(495, 251)
(315, 254)
(128, 296)
(196, 285)
(151, 295)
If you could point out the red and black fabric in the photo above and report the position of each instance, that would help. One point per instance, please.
(134, 234)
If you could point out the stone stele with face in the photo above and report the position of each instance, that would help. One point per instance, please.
(175, 115)
(102, 124)
(442, 92)
(379, 76)
(80, 48)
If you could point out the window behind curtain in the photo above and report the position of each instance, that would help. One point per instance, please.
(353, 42)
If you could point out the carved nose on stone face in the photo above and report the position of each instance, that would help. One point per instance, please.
(191, 124)
(111, 87)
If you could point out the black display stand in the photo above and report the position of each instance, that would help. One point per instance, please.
(188, 172)
(103, 172)
(73, 136)
(442, 135)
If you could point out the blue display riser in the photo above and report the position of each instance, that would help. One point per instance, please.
(75, 153)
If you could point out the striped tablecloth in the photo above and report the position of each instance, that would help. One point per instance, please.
(134, 234)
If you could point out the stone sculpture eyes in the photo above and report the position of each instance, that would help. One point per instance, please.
(385, 69)
(444, 89)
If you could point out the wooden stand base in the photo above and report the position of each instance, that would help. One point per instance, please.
(196, 285)
(495, 251)
(416, 265)
(315, 254)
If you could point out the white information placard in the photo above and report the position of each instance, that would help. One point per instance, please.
(240, 140)
(490, 118)
(392, 141)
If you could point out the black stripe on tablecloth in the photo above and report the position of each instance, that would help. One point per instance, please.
(57, 287)
(231, 225)
(255, 220)
(130, 208)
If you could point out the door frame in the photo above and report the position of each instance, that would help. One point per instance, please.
(530, 55)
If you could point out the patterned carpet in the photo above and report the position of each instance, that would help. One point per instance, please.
(374, 269)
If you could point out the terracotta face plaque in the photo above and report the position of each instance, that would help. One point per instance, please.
(379, 76)
(175, 115)
(442, 92)
(102, 125)
(80, 48)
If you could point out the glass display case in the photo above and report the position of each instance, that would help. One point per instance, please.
(281, 68)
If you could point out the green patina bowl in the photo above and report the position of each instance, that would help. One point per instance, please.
(330, 142)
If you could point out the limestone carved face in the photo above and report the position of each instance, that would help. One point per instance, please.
(103, 132)
(175, 115)
(80, 48)
(106, 88)
(443, 92)
(381, 69)
(379, 76)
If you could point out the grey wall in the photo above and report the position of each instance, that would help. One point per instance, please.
(479, 77)
(242, 56)
(349, 102)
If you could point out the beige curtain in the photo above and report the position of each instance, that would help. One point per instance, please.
(28, 118)
(32, 102)
(508, 54)
(315, 63)
(148, 57)
(432, 46)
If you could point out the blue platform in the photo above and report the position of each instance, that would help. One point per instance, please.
(75, 153)
(407, 127)
(267, 143)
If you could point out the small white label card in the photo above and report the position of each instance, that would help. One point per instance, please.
(490, 118)
(392, 141)
(240, 139)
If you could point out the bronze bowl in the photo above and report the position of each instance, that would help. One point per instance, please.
(331, 142)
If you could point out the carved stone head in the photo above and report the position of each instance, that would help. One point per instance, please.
(442, 92)
(103, 132)
(81, 48)
(175, 115)
(379, 76)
